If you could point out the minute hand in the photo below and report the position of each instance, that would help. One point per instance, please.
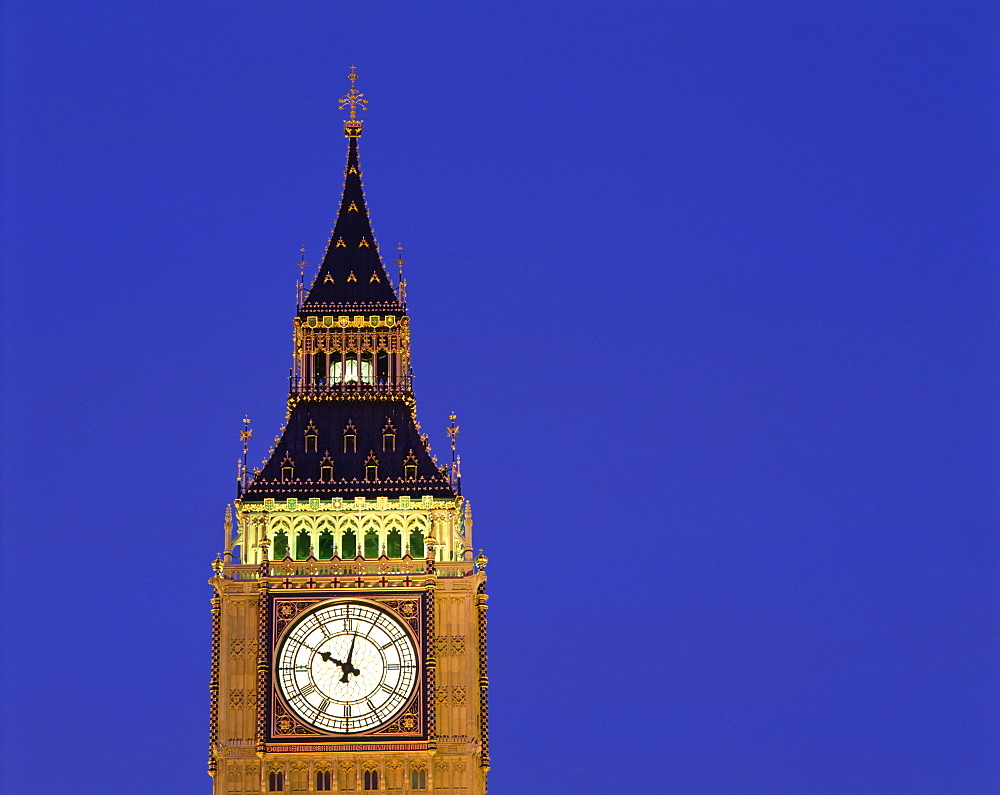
(346, 667)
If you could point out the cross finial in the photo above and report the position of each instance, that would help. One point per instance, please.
(452, 430)
(353, 98)
(247, 433)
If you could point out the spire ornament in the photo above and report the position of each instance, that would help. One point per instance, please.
(300, 287)
(227, 555)
(246, 434)
(355, 100)
(400, 281)
(453, 471)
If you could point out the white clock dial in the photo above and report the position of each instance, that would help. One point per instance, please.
(346, 667)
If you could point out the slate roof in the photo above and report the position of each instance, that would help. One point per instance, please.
(351, 277)
(351, 280)
(329, 419)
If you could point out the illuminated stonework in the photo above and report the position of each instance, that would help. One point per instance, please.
(348, 634)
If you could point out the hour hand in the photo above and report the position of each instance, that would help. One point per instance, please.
(327, 657)
(347, 668)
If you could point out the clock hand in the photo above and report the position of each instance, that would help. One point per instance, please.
(346, 667)
(327, 657)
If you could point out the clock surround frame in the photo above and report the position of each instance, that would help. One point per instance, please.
(411, 726)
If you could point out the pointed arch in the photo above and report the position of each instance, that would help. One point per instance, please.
(371, 544)
(349, 543)
(394, 542)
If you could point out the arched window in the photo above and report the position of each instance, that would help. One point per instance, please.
(302, 545)
(325, 545)
(312, 438)
(276, 782)
(336, 368)
(371, 544)
(371, 779)
(371, 467)
(389, 437)
(350, 438)
(280, 545)
(319, 368)
(326, 469)
(348, 545)
(367, 368)
(418, 778)
(382, 367)
(410, 466)
(351, 368)
(322, 780)
(416, 544)
(287, 467)
(394, 544)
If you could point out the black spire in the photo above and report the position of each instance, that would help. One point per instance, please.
(351, 427)
(352, 277)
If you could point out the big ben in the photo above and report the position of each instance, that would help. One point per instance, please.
(349, 616)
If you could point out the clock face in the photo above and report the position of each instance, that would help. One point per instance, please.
(346, 667)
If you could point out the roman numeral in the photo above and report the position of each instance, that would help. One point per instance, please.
(347, 711)
(393, 666)
(386, 687)
(323, 705)
(305, 691)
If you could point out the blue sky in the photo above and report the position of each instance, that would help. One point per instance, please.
(712, 287)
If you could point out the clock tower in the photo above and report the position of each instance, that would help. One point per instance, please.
(348, 614)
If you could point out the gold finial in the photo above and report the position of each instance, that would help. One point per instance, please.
(356, 101)
(300, 286)
(246, 434)
(227, 550)
(453, 475)
(400, 281)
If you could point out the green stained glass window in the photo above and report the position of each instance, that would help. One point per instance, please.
(302, 545)
(394, 544)
(371, 544)
(348, 545)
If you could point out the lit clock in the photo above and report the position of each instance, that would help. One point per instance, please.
(346, 667)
